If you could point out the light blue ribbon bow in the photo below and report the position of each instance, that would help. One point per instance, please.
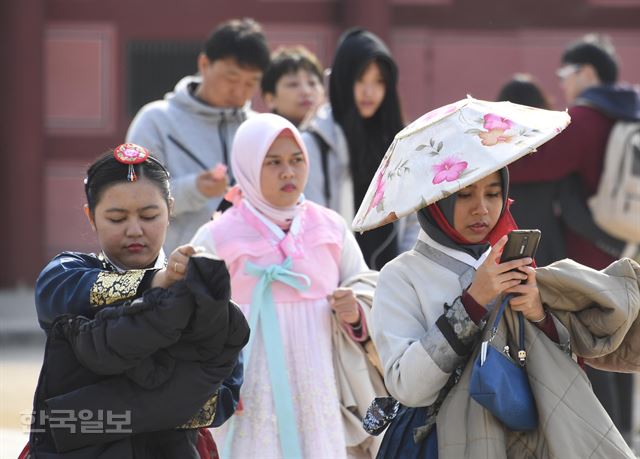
(263, 313)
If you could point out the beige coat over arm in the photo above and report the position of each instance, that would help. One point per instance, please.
(600, 311)
(358, 380)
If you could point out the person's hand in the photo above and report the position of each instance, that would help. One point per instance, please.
(212, 183)
(176, 267)
(345, 305)
(493, 278)
(527, 299)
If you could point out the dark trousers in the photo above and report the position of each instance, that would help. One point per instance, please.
(615, 392)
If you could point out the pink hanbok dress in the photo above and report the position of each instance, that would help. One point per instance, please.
(321, 247)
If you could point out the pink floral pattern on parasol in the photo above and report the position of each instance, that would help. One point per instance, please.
(380, 185)
(448, 170)
(496, 126)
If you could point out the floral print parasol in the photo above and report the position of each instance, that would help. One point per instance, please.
(450, 148)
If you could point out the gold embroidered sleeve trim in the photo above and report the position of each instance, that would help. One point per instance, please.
(112, 287)
(205, 416)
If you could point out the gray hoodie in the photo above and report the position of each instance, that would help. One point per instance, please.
(205, 131)
(340, 183)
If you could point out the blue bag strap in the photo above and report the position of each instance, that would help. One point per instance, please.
(466, 274)
(522, 353)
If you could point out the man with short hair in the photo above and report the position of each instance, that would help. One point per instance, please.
(191, 130)
(588, 75)
(574, 160)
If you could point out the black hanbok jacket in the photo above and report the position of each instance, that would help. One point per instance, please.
(134, 378)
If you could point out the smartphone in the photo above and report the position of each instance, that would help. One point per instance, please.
(521, 244)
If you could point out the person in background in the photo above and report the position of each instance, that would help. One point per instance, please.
(112, 354)
(191, 130)
(551, 206)
(349, 136)
(527, 209)
(588, 77)
(293, 86)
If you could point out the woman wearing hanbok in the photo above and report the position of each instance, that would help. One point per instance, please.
(132, 366)
(288, 258)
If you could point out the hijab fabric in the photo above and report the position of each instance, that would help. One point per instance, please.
(437, 221)
(250, 146)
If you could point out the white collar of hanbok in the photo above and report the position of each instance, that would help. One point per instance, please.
(457, 254)
(275, 229)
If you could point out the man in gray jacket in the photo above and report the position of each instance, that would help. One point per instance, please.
(191, 130)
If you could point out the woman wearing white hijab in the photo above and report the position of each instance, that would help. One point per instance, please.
(286, 257)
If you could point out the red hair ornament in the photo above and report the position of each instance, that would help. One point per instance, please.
(130, 154)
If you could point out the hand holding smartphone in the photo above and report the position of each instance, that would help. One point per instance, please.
(521, 244)
(489, 281)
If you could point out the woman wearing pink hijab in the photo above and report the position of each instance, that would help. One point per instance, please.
(287, 258)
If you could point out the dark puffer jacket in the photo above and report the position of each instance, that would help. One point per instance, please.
(155, 364)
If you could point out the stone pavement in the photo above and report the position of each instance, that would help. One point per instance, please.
(21, 350)
(18, 319)
(12, 442)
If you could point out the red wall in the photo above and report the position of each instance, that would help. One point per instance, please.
(441, 66)
(66, 89)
